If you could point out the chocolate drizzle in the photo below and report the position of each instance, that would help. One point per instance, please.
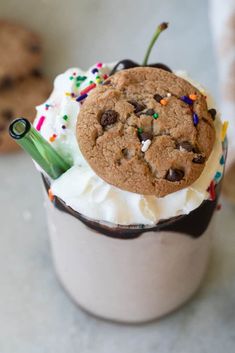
(194, 224)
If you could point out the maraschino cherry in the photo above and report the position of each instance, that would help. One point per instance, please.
(128, 64)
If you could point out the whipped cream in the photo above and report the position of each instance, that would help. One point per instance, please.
(83, 190)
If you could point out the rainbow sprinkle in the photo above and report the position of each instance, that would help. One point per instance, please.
(94, 70)
(47, 106)
(224, 130)
(212, 190)
(186, 100)
(40, 122)
(163, 101)
(50, 195)
(65, 117)
(99, 65)
(98, 79)
(81, 78)
(195, 119)
(218, 176)
(88, 88)
(155, 115)
(52, 138)
(222, 160)
(193, 97)
(80, 98)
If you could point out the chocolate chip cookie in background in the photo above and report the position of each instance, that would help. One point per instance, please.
(146, 131)
(20, 100)
(22, 85)
(20, 52)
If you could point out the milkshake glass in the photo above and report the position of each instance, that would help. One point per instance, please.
(130, 274)
(123, 271)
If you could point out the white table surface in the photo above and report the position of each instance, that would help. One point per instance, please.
(36, 315)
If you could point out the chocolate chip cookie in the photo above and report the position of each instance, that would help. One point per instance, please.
(20, 52)
(18, 101)
(147, 131)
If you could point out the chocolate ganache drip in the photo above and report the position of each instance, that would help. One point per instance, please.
(193, 225)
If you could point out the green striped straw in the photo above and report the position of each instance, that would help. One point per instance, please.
(38, 148)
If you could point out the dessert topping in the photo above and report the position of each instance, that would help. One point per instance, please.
(108, 118)
(174, 175)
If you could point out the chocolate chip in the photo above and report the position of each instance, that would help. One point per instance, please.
(185, 145)
(149, 112)
(37, 73)
(6, 82)
(157, 97)
(199, 159)
(34, 48)
(145, 136)
(196, 150)
(138, 106)
(7, 114)
(174, 175)
(213, 113)
(109, 117)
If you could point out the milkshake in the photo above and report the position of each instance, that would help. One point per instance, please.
(131, 214)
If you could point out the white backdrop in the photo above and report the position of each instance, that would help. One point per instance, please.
(81, 32)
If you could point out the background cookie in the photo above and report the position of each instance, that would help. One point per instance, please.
(20, 52)
(19, 101)
(146, 131)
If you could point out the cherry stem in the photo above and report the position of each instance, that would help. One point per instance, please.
(157, 33)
